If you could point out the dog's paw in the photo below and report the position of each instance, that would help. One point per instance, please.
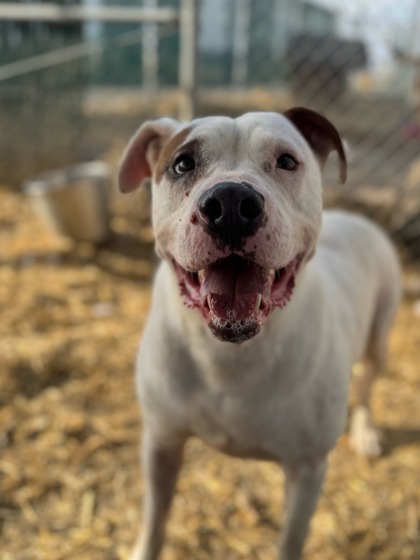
(365, 439)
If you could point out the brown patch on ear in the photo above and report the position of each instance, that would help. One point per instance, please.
(320, 134)
(167, 150)
(143, 151)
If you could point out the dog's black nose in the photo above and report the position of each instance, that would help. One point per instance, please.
(231, 211)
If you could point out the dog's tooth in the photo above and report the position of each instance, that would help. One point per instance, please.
(200, 275)
(258, 302)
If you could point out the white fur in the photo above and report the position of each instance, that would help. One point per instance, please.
(283, 394)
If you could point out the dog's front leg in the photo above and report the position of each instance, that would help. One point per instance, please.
(161, 466)
(303, 487)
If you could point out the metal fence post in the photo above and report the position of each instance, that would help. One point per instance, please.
(150, 51)
(188, 59)
(241, 38)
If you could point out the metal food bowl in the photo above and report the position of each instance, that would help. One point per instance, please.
(73, 201)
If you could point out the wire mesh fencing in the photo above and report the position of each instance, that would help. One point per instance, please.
(71, 92)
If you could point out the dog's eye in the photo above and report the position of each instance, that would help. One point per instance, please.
(183, 164)
(286, 161)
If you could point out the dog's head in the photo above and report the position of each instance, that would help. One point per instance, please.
(237, 207)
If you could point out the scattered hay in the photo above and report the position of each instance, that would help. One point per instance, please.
(70, 486)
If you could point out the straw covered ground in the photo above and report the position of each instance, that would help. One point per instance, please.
(70, 485)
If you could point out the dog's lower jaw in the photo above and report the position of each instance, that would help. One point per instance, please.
(234, 331)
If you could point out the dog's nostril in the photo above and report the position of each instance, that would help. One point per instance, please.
(212, 208)
(250, 208)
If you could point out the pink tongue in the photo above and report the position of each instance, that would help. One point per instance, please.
(233, 286)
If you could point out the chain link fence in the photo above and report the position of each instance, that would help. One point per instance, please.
(71, 92)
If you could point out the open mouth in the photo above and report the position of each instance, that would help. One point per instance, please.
(236, 295)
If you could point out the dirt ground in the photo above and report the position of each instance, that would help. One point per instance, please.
(70, 485)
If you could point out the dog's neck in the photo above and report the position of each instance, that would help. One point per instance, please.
(223, 362)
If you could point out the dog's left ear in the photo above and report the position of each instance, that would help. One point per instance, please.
(320, 134)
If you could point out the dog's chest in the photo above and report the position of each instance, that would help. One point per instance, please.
(250, 426)
(230, 426)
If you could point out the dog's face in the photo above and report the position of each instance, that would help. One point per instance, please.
(237, 207)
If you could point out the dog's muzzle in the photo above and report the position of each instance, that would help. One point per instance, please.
(231, 212)
(234, 293)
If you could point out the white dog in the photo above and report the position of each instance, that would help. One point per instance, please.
(261, 305)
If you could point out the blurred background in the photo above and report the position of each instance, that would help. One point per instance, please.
(76, 262)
